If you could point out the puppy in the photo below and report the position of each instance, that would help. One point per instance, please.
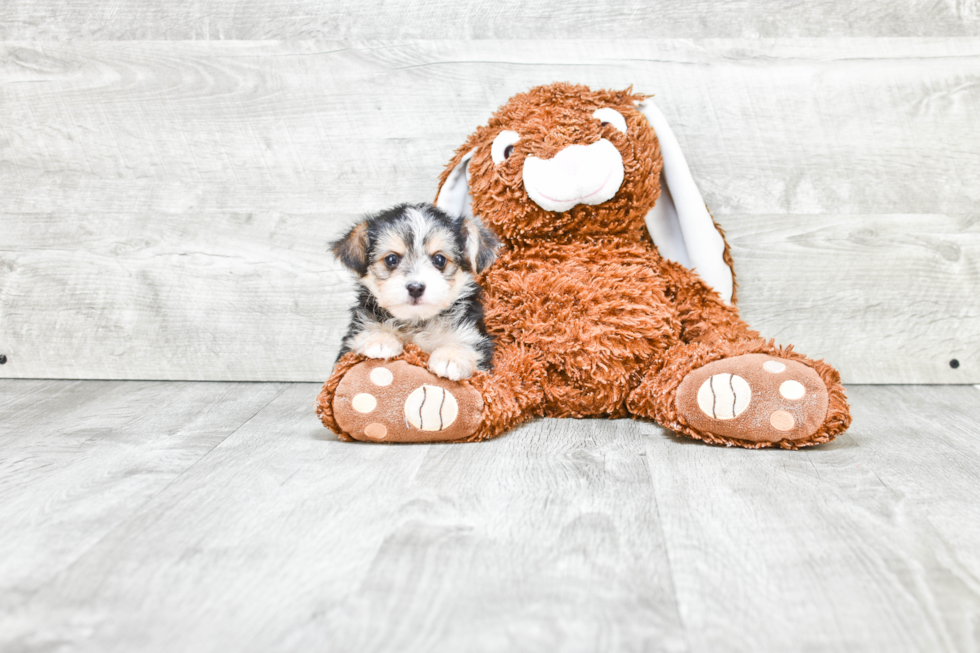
(415, 266)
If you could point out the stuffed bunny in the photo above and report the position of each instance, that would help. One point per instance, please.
(613, 295)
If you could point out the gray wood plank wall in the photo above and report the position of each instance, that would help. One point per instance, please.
(482, 19)
(166, 205)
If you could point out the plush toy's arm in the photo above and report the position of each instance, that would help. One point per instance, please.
(703, 315)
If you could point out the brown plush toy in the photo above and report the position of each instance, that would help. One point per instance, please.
(613, 296)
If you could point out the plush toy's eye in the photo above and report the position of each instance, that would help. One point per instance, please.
(391, 261)
(610, 117)
(439, 261)
(503, 145)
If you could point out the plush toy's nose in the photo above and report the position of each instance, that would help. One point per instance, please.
(579, 174)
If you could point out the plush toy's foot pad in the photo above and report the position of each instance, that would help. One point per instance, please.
(754, 397)
(384, 401)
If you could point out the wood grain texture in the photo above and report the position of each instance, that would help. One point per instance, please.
(886, 297)
(79, 458)
(166, 205)
(570, 535)
(867, 543)
(501, 19)
(285, 538)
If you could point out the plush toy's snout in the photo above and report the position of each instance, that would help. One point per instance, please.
(578, 174)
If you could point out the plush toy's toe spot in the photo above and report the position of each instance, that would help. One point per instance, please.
(724, 396)
(395, 401)
(781, 420)
(376, 431)
(792, 390)
(364, 403)
(382, 376)
(753, 398)
(773, 366)
(430, 408)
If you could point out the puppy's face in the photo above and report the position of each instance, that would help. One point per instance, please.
(415, 259)
(413, 266)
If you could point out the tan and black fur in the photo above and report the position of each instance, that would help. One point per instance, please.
(416, 270)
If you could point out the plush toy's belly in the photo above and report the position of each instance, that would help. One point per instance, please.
(595, 315)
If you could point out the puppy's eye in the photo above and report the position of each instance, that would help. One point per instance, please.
(439, 261)
(391, 261)
(503, 145)
(612, 117)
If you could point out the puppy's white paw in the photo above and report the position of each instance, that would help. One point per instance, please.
(378, 345)
(453, 363)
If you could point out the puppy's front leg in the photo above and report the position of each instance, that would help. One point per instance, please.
(454, 362)
(377, 343)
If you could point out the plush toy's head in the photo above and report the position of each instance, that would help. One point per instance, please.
(564, 163)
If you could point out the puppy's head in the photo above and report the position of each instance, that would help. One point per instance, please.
(415, 259)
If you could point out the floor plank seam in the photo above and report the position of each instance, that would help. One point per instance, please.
(138, 511)
(663, 537)
(207, 453)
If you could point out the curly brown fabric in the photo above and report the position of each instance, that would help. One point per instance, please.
(589, 319)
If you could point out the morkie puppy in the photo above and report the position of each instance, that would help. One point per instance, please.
(415, 266)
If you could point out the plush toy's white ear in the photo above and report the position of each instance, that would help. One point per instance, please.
(454, 196)
(681, 227)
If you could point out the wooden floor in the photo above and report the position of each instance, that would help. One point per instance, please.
(151, 516)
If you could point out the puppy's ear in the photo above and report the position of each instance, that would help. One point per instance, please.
(479, 243)
(352, 249)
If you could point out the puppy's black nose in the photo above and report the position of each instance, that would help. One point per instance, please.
(415, 289)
